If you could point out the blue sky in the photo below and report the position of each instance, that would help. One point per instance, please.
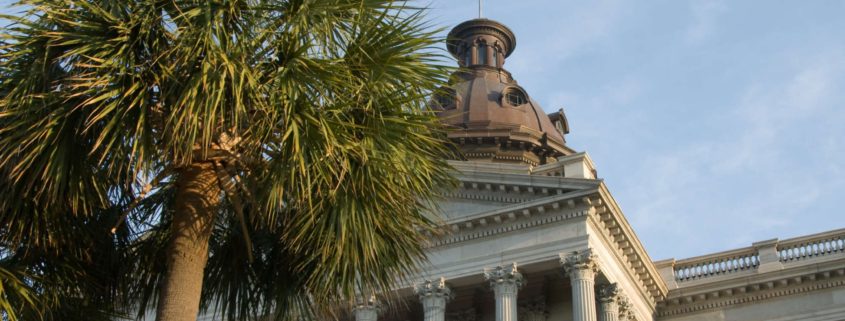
(715, 124)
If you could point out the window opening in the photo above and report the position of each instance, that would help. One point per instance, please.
(482, 54)
(516, 97)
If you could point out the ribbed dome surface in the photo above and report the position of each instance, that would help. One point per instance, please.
(480, 105)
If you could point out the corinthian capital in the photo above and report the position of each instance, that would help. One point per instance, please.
(433, 289)
(504, 275)
(366, 309)
(609, 293)
(626, 309)
(579, 262)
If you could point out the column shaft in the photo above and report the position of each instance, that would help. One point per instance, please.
(506, 302)
(583, 299)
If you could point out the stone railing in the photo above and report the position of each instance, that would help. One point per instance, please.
(812, 246)
(761, 257)
(716, 264)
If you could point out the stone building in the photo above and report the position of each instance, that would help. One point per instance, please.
(537, 236)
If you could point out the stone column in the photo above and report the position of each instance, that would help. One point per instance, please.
(366, 310)
(581, 267)
(608, 295)
(505, 281)
(434, 296)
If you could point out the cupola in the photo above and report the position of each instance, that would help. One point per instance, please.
(481, 42)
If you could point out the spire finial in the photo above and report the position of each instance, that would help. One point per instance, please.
(479, 9)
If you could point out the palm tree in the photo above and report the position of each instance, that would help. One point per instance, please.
(261, 157)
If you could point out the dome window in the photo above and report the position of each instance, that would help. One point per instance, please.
(482, 53)
(515, 97)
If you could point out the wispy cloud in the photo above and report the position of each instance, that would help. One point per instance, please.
(761, 180)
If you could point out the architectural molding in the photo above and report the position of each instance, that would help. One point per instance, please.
(505, 224)
(749, 291)
(616, 230)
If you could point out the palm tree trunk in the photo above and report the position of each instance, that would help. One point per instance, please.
(197, 198)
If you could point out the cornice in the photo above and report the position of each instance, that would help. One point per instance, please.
(522, 137)
(481, 26)
(536, 182)
(616, 229)
(515, 217)
(753, 289)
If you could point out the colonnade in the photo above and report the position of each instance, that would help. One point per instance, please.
(588, 304)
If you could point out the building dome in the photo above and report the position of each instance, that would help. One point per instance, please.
(491, 117)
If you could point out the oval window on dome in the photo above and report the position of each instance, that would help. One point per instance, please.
(515, 97)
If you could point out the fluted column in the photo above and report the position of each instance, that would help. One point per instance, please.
(366, 310)
(608, 296)
(505, 281)
(434, 296)
(581, 267)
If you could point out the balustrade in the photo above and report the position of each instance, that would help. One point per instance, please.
(716, 264)
(750, 259)
(812, 246)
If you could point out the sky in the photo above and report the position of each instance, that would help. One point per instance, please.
(715, 124)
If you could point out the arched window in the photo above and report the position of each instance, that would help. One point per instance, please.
(468, 57)
(482, 53)
(495, 57)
